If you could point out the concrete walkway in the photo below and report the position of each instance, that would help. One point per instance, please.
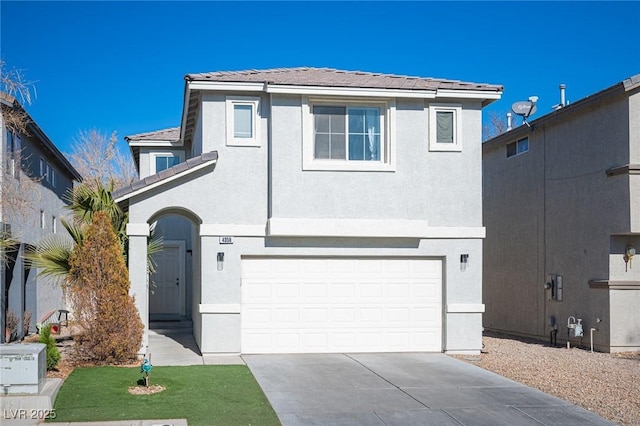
(176, 346)
(403, 389)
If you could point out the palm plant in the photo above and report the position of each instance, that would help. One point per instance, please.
(51, 255)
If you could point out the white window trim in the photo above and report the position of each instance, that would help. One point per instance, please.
(456, 146)
(387, 135)
(154, 154)
(231, 101)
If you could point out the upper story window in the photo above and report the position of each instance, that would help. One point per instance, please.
(348, 135)
(163, 160)
(518, 147)
(13, 149)
(445, 127)
(166, 161)
(243, 124)
(47, 172)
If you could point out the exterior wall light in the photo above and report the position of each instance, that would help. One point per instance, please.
(629, 252)
(220, 261)
(464, 260)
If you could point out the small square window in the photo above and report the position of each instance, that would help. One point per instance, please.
(518, 147)
(163, 160)
(42, 220)
(243, 124)
(445, 127)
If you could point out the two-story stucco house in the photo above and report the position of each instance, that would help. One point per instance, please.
(35, 177)
(319, 211)
(562, 212)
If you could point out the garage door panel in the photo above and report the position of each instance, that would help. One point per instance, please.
(314, 290)
(341, 305)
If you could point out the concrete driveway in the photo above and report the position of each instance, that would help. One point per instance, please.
(402, 389)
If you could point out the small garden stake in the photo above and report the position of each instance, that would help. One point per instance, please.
(145, 369)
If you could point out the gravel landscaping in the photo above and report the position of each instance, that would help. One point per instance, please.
(606, 384)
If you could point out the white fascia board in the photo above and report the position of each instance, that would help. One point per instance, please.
(138, 229)
(226, 86)
(467, 94)
(163, 181)
(156, 143)
(356, 91)
(185, 110)
(368, 228)
(465, 308)
(231, 230)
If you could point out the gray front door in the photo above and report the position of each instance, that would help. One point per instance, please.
(167, 284)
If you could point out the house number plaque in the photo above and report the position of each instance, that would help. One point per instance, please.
(226, 240)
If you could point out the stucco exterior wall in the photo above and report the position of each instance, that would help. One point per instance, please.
(554, 210)
(221, 331)
(38, 295)
(250, 185)
(443, 188)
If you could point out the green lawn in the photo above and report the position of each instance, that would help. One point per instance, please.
(204, 395)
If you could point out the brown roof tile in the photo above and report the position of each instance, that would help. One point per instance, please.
(170, 134)
(183, 167)
(328, 77)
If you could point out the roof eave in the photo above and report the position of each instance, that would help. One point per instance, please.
(150, 182)
(12, 102)
(487, 96)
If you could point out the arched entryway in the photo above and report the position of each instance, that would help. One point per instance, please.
(171, 282)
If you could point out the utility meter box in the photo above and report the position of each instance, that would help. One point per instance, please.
(22, 368)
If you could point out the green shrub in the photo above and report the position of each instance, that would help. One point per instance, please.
(53, 354)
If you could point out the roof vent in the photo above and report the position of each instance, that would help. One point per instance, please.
(563, 100)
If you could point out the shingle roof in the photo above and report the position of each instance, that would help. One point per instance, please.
(329, 77)
(170, 134)
(182, 168)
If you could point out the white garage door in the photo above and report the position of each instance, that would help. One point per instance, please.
(315, 305)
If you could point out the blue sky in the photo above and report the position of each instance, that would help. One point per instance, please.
(120, 65)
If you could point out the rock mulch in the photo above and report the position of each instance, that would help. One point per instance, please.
(606, 384)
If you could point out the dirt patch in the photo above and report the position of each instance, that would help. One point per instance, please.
(145, 390)
(67, 363)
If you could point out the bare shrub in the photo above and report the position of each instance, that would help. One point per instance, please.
(100, 161)
(13, 323)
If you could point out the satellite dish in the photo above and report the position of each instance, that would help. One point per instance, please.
(524, 108)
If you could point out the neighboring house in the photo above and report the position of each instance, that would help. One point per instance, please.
(319, 211)
(35, 176)
(562, 212)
